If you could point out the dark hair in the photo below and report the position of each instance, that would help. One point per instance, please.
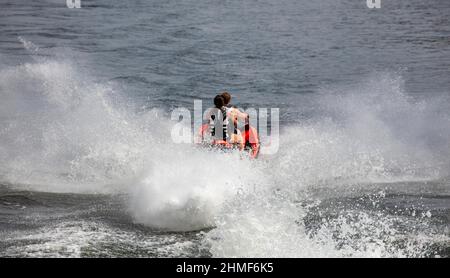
(226, 97)
(219, 101)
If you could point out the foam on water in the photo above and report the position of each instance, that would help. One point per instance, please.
(185, 188)
(62, 131)
(275, 226)
(89, 238)
(368, 133)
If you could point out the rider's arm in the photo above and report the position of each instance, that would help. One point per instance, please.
(238, 114)
(241, 115)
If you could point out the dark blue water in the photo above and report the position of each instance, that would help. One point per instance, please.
(88, 167)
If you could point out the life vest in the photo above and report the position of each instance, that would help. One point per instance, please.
(218, 125)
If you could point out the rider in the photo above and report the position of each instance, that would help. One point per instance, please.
(218, 120)
(234, 115)
(219, 125)
(248, 139)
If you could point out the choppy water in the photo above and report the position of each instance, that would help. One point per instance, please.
(87, 168)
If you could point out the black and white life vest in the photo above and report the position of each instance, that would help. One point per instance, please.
(218, 124)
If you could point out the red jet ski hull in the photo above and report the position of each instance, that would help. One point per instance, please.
(249, 134)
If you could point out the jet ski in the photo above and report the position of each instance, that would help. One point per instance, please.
(251, 144)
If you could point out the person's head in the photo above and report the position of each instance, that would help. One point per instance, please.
(227, 97)
(219, 101)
